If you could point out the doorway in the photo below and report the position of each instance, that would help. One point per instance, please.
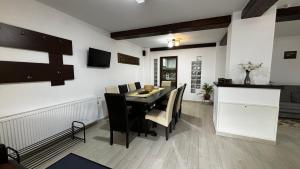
(168, 69)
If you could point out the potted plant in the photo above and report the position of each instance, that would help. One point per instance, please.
(208, 89)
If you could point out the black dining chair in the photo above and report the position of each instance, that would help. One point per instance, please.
(120, 119)
(123, 89)
(175, 113)
(138, 85)
(180, 109)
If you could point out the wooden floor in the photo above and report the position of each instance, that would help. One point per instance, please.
(193, 145)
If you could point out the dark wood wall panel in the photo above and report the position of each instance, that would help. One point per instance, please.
(126, 59)
(19, 38)
(14, 37)
(12, 72)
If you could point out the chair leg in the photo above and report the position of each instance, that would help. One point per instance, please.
(127, 139)
(174, 124)
(140, 126)
(180, 112)
(111, 137)
(154, 125)
(147, 128)
(170, 127)
(167, 133)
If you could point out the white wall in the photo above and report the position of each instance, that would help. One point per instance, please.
(286, 71)
(220, 61)
(30, 14)
(185, 58)
(251, 40)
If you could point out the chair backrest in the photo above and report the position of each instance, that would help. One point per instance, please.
(177, 100)
(131, 87)
(170, 106)
(180, 98)
(138, 85)
(184, 87)
(123, 89)
(3, 154)
(112, 89)
(117, 111)
(166, 83)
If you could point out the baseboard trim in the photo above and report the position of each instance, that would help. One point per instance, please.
(246, 138)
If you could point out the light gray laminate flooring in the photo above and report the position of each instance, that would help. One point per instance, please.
(193, 145)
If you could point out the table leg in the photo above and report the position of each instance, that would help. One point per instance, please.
(140, 110)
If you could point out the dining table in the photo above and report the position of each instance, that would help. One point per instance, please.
(143, 103)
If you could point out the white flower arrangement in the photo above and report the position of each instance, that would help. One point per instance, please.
(250, 66)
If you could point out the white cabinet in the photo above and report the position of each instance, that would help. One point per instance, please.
(215, 110)
(250, 118)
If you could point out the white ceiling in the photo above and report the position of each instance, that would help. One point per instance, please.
(187, 38)
(118, 15)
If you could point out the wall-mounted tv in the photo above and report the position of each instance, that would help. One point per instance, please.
(98, 58)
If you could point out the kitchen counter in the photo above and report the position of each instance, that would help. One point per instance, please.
(247, 112)
(269, 86)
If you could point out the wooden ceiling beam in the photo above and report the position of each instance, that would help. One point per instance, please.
(202, 45)
(196, 25)
(257, 8)
(288, 14)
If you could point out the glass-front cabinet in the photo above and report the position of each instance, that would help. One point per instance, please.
(168, 69)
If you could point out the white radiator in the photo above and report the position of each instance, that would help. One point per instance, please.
(24, 129)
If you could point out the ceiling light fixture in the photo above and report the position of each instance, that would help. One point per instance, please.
(140, 1)
(173, 43)
(170, 44)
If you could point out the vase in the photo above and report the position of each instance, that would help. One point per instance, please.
(247, 80)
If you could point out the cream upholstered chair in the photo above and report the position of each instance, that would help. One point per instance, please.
(132, 87)
(112, 89)
(166, 83)
(163, 118)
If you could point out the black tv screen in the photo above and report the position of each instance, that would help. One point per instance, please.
(98, 58)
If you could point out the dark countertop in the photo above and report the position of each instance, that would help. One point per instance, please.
(250, 86)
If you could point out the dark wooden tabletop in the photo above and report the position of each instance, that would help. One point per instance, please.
(150, 99)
